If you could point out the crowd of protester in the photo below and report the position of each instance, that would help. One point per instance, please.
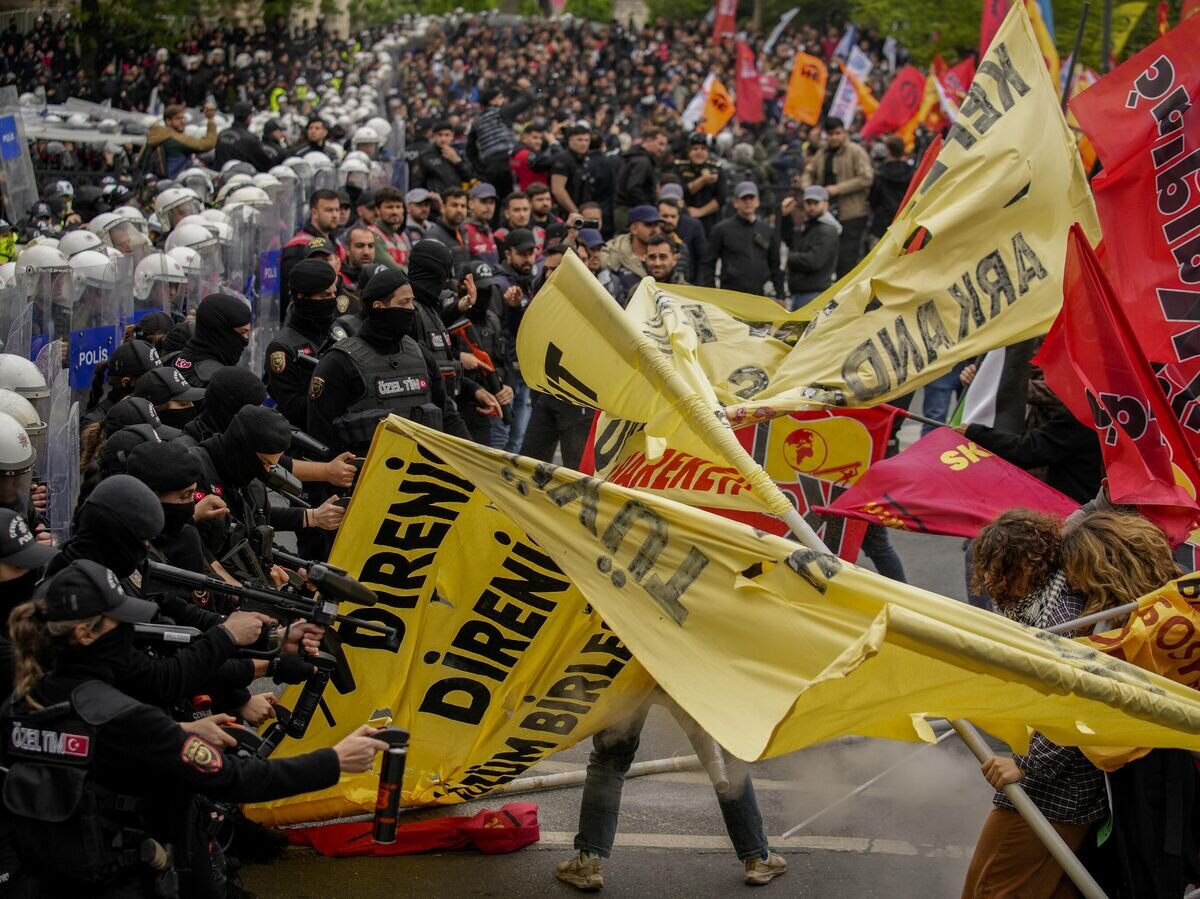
(438, 173)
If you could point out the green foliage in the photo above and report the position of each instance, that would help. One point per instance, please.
(678, 9)
(596, 10)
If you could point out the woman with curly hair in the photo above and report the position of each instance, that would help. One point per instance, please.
(1018, 562)
(1114, 558)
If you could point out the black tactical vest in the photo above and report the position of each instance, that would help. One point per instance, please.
(397, 383)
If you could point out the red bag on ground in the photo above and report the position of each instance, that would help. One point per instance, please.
(491, 832)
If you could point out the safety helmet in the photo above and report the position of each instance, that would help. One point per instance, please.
(284, 174)
(22, 376)
(365, 135)
(215, 216)
(96, 225)
(156, 268)
(133, 214)
(78, 241)
(174, 203)
(235, 167)
(250, 195)
(318, 161)
(189, 260)
(266, 181)
(8, 274)
(198, 180)
(36, 260)
(16, 449)
(197, 237)
(228, 187)
(356, 154)
(92, 269)
(24, 413)
(301, 167)
(43, 241)
(380, 126)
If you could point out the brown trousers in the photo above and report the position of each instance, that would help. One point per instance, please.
(1010, 862)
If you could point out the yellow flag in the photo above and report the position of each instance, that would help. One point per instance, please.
(1124, 20)
(866, 99)
(772, 647)
(806, 89)
(993, 214)
(718, 108)
(502, 662)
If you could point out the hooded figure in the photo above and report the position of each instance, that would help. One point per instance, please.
(113, 526)
(429, 270)
(217, 340)
(230, 388)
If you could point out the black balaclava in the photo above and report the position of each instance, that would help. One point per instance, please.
(383, 327)
(311, 317)
(228, 390)
(165, 468)
(216, 317)
(254, 429)
(429, 268)
(177, 338)
(112, 526)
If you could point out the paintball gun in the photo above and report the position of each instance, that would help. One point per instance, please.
(309, 447)
(465, 331)
(283, 482)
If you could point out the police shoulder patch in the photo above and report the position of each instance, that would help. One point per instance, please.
(201, 755)
(278, 362)
(343, 302)
(315, 387)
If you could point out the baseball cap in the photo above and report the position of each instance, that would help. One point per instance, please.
(84, 589)
(591, 238)
(136, 410)
(671, 191)
(484, 276)
(815, 192)
(161, 385)
(520, 239)
(698, 139)
(417, 195)
(482, 191)
(18, 547)
(133, 358)
(648, 214)
(745, 189)
(319, 246)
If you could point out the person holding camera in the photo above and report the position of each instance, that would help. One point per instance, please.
(703, 183)
(99, 784)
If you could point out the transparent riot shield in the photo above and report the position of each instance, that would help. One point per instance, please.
(124, 236)
(97, 323)
(62, 457)
(16, 321)
(16, 165)
(396, 156)
(266, 318)
(241, 253)
(48, 290)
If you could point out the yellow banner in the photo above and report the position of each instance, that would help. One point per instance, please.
(1124, 20)
(994, 212)
(772, 647)
(502, 662)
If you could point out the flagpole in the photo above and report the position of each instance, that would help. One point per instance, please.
(1106, 38)
(1095, 618)
(1083, 17)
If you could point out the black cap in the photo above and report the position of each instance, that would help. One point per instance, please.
(343, 198)
(242, 111)
(114, 455)
(381, 286)
(18, 547)
(85, 589)
(520, 239)
(442, 125)
(310, 277)
(133, 358)
(366, 198)
(164, 467)
(131, 502)
(136, 410)
(155, 323)
(318, 246)
(161, 385)
(698, 139)
(484, 276)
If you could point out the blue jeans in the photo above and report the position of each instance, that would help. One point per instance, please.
(613, 750)
(878, 548)
(938, 394)
(800, 299)
(508, 438)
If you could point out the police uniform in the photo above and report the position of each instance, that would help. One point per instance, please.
(215, 343)
(304, 333)
(689, 172)
(97, 782)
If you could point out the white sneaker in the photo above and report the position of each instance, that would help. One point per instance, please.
(764, 870)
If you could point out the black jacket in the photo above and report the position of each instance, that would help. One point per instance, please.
(887, 193)
(236, 142)
(749, 255)
(637, 181)
(812, 254)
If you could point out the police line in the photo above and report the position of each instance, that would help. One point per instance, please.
(492, 564)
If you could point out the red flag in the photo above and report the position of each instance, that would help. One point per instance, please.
(749, 87)
(994, 12)
(724, 20)
(1092, 362)
(901, 102)
(956, 79)
(1189, 8)
(1164, 22)
(1147, 134)
(945, 484)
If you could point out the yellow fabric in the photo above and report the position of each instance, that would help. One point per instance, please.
(501, 664)
(1124, 20)
(771, 647)
(866, 99)
(806, 89)
(718, 108)
(1045, 40)
(930, 103)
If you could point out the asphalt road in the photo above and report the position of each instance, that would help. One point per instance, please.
(909, 835)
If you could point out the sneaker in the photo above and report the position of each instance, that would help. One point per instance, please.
(764, 870)
(585, 873)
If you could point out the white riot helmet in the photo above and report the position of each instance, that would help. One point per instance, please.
(285, 175)
(51, 242)
(303, 170)
(124, 234)
(200, 240)
(22, 376)
(157, 268)
(198, 181)
(133, 214)
(234, 182)
(92, 269)
(266, 181)
(74, 242)
(189, 260)
(249, 195)
(356, 154)
(382, 127)
(366, 136)
(17, 456)
(96, 225)
(354, 173)
(36, 262)
(8, 274)
(215, 216)
(324, 174)
(24, 413)
(175, 203)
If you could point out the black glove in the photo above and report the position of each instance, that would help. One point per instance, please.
(288, 668)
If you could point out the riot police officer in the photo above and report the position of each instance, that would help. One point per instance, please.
(222, 333)
(382, 370)
(95, 805)
(313, 286)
